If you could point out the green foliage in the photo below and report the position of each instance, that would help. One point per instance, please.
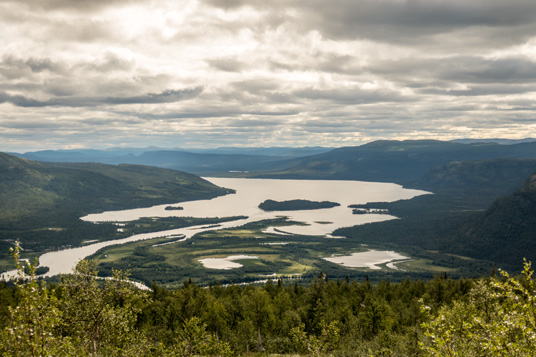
(499, 319)
(84, 315)
(34, 320)
(257, 307)
(80, 318)
(99, 318)
(328, 341)
(194, 340)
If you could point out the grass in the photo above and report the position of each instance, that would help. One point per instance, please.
(173, 263)
(423, 265)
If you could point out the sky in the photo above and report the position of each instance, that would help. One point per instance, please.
(210, 73)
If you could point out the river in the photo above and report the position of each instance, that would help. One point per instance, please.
(249, 194)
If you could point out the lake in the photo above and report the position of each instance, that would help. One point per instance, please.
(249, 194)
(225, 263)
(371, 259)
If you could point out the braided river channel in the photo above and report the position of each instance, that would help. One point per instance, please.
(249, 194)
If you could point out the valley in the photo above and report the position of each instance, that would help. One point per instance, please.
(286, 242)
(307, 221)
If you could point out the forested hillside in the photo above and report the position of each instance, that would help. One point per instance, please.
(491, 177)
(395, 161)
(82, 315)
(41, 203)
(465, 217)
(507, 231)
(28, 187)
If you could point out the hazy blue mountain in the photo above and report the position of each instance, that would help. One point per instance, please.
(200, 161)
(497, 141)
(80, 155)
(284, 152)
(394, 161)
(205, 163)
(391, 161)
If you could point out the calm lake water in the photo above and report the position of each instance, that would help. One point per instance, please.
(249, 194)
(225, 263)
(370, 259)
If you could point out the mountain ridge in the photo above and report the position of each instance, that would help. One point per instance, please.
(99, 186)
(507, 231)
(394, 161)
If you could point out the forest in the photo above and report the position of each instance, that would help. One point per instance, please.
(83, 315)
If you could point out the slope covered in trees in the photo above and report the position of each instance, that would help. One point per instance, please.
(465, 217)
(493, 178)
(41, 203)
(29, 187)
(82, 315)
(507, 231)
(394, 161)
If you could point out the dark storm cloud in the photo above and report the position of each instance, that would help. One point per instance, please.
(398, 21)
(478, 70)
(462, 69)
(104, 122)
(31, 124)
(257, 85)
(263, 72)
(12, 67)
(233, 4)
(321, 62)
(479, 90)
(394, 20)
(168, 96)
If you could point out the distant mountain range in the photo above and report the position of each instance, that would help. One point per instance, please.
(497, 141)
(395, 161)
(198, 161)
(387, 161)
(465, 216)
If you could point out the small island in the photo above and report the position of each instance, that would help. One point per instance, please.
(174, 208)
(295, 205)
(371, 208)
(370, 211)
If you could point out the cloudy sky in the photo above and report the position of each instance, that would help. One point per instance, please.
(207, 73)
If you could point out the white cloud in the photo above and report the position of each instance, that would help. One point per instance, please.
(283, 72)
